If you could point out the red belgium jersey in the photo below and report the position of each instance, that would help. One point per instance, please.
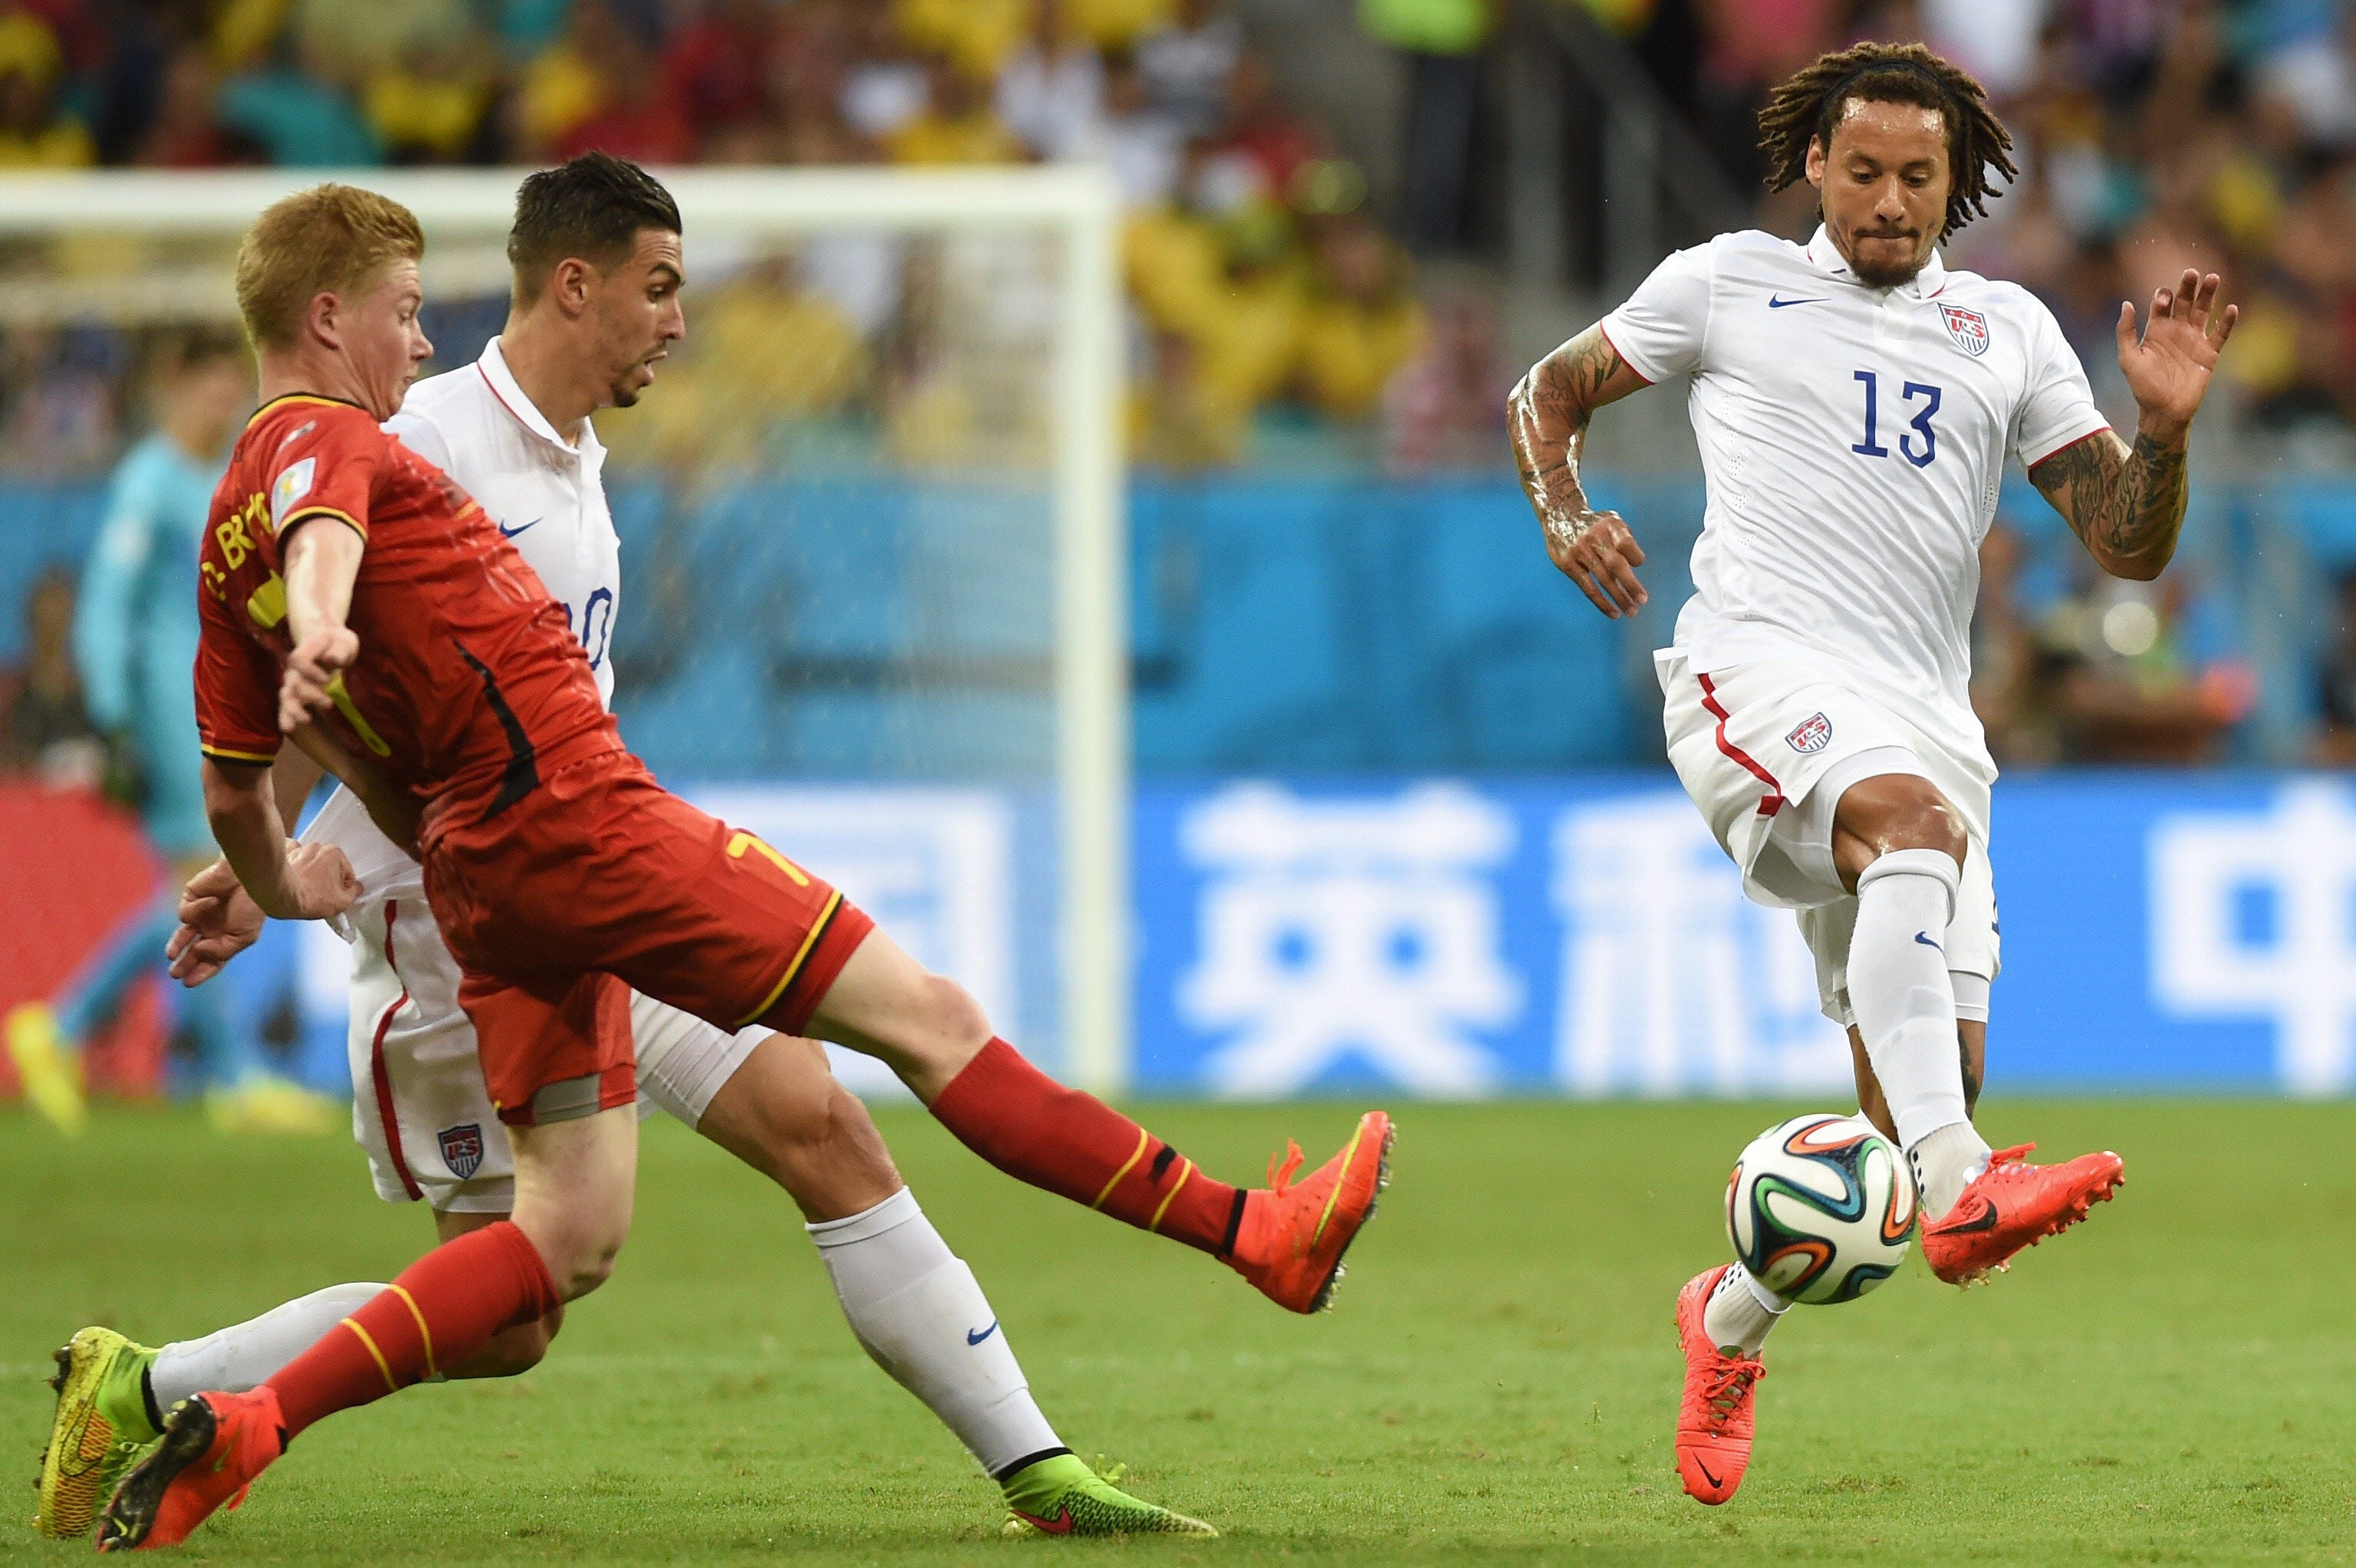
(469, 686)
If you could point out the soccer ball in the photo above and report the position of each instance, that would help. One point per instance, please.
(1821, 1208)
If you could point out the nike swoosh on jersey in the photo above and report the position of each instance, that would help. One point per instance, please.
(1774, 304)
(508, 533)
(1924, 938)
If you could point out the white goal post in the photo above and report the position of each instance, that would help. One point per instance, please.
(471, 210)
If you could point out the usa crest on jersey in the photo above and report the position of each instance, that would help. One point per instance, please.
(1813, 735)
(1968, 328)
(462, 1150)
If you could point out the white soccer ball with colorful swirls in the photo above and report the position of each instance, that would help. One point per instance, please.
(1821, 1208)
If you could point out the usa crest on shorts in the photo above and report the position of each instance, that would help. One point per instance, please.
(1968, 328)
(462, 1150)
(1814, 734)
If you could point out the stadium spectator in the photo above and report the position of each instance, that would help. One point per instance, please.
(957, 123)
(623, 103)
(1360, 322)
(1442, 42)
(1188, 61)
(33, 133)
(185, 133)
(44, 730)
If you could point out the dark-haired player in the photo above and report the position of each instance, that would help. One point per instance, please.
(1856, 403)
(358, 600)
(596, 304)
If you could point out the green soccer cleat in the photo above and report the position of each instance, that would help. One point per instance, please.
(100, 1430)
(1062, 1496)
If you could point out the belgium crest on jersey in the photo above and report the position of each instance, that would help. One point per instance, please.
(1968, 328)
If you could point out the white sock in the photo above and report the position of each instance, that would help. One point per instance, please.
(1740, 1312)
(244, 1355)
(921, 1315)
(1945, 1161)
(1905, 1006)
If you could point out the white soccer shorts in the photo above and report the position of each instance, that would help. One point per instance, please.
(419, 1107)
(1765, 751)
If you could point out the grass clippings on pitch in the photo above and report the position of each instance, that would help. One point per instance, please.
(2175, 1383)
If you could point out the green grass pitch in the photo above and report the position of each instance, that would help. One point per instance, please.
(2175, 1381)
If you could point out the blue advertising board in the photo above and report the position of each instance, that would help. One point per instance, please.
(1584, 935)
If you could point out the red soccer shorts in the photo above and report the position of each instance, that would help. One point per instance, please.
(599, 880)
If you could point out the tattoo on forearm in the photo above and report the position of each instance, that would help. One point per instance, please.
(1549, 414)
(2124, 504)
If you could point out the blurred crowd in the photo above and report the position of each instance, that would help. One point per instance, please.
(1259, 278)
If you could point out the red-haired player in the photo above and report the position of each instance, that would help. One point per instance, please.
(357, 600)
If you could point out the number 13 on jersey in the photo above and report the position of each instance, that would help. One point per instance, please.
(1913, 392)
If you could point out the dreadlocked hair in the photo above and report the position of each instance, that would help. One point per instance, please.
(1810, 104)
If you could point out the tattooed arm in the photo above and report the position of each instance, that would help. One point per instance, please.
(1548, 415)
(2128, 503)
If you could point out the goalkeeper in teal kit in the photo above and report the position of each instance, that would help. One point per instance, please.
(135, 642)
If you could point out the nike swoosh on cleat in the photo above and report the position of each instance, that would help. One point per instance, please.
(1924, 938)
(1060, 1525)
(1774, 304)
(1705, 1476)
(508, 533)
(975, 1336)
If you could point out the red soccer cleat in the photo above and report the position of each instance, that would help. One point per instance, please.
(2014, 1205)
(1293, 1237)
(213, 1446)
(1715, 1421)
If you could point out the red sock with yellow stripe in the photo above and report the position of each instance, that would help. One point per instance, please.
(1075, 1145)
(443, 1308)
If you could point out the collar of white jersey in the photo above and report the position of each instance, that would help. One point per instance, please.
(504, 386)
(1825, 255)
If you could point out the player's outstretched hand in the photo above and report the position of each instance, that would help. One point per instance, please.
(1596, 551)
(2168, 368)
(311, 670)
(218, 919)
(321, 881)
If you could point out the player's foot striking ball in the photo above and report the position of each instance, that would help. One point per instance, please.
(213, 1446)
(1715, 1419)
(1062, 1496)
(2014, 1205)
(102, 1426)
(1292, 1234)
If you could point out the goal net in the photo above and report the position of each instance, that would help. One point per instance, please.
(873, 575)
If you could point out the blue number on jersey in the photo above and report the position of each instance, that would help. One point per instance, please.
(596, 635)
(1872, 447)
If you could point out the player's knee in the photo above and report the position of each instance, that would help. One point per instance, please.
(1926, 821)
(952, 1020)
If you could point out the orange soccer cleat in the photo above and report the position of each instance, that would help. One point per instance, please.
(1714, 1423)
(1291, 1238)
(213, 1446)
(2014, 1205)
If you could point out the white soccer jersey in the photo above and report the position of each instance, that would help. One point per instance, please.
(1853, 439)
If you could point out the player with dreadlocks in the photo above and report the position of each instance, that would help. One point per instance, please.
(1856, 403)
